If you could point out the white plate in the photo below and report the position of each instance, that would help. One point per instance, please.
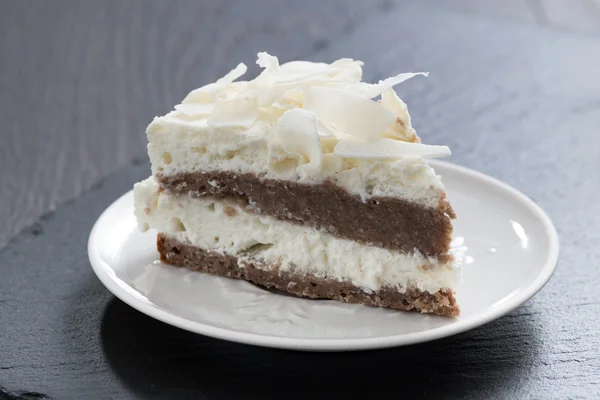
(511, 251)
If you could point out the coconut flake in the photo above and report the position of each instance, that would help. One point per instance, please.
(296, 135)
(403, 129)
(302, 67)
(238, 111)
(325, 130)
(342, 70)
(233, 74)
(391, 101)
(387, 149)
(313, 104)
(348, 69)
(373, 90)
(207, 93)
(304, 78)
(195, 109)
(267, 61)
(352, 114)
(270, 65)
(270, 95)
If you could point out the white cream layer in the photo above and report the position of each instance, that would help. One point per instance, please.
(224, 226)
(177, 145)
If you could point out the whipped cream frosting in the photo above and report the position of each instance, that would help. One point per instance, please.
(303, 121)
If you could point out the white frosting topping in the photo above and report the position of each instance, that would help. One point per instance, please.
(301, 121)
(332, 93)
(225, 227)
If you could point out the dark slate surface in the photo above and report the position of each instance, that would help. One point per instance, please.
(514, 97)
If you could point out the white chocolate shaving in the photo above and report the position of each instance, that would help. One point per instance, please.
(348, 112)
(313, 106)
(239, 111)
(373, 90)
(387, 149)
(267, 61)
(349, 70)
(326, 131)
(234, 74)
(391, 101)
(296, 137)
(403, 129)
(195, 109)
(302, 67)
(207, 93)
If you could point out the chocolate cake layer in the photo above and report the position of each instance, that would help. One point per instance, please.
(391, 223)
(176, 253)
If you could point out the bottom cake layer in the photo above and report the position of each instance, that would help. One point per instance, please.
(194, 258)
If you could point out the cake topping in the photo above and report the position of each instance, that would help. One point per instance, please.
(349, 114)
(238, 111)
(296, 139)
(313, 106)
(210, 92)
(373, 90)
(196, 109)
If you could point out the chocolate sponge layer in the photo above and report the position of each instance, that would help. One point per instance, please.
(194, 258)
(391, 223)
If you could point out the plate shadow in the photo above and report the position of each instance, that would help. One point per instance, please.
(153, 358)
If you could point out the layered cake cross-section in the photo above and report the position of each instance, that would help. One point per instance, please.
(307, 180)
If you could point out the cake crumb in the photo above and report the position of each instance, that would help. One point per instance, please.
(147, 210)
(230, 211)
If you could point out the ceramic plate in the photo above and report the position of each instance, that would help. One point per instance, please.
(509, 243)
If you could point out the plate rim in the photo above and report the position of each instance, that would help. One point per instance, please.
(128, 295)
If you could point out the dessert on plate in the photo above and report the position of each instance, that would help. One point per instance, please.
(307, 180)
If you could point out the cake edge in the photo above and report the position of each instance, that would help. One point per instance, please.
(176, 253)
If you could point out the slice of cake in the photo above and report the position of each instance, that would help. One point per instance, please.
(306, 180)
